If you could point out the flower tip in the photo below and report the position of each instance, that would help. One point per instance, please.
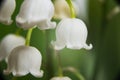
(21, 23)
(1, 59)
(38, 74)
(46, 24)
(6, 72)
(54, 24)
(57, 46)
(88, 47)
(7, 22)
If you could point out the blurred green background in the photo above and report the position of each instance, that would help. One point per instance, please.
(100, 63)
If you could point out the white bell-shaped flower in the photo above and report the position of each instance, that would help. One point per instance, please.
(60, 78)
(7, 8)
(36, 13)
(8, 43)
(24, 60)
(71, 33)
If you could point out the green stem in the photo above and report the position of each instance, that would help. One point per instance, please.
(60, 72)
(49, 55)
(103, 29)
(27, 43)
(72, 10)
(75, 72)
(79, 75)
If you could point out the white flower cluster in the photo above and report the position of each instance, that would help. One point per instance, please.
(70, 33)
(21, 59)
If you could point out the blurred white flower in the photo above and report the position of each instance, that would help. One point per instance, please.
(24, 60)
(36, 12)
(113, 12)
(7, 8)
(81, 8)
(8, 43)
(62, 9)
(60, 78)
(71, 33)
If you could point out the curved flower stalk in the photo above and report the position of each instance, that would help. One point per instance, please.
(72, 33)
(60, 78)
(36, 13)
(24, 60)
(7, 8)
(8, 43)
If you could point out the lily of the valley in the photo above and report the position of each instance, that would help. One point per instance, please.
(24, 60)
(60, 78)
(7, 8)
(8, 43)
(71, 33)
(36, 13)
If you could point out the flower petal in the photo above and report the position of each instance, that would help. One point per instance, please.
(46, 24)
(37, 73)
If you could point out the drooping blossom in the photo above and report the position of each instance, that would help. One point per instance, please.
(24, 60)
(7, 8)
(36, 13)
(71, 33)
(8, 43)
